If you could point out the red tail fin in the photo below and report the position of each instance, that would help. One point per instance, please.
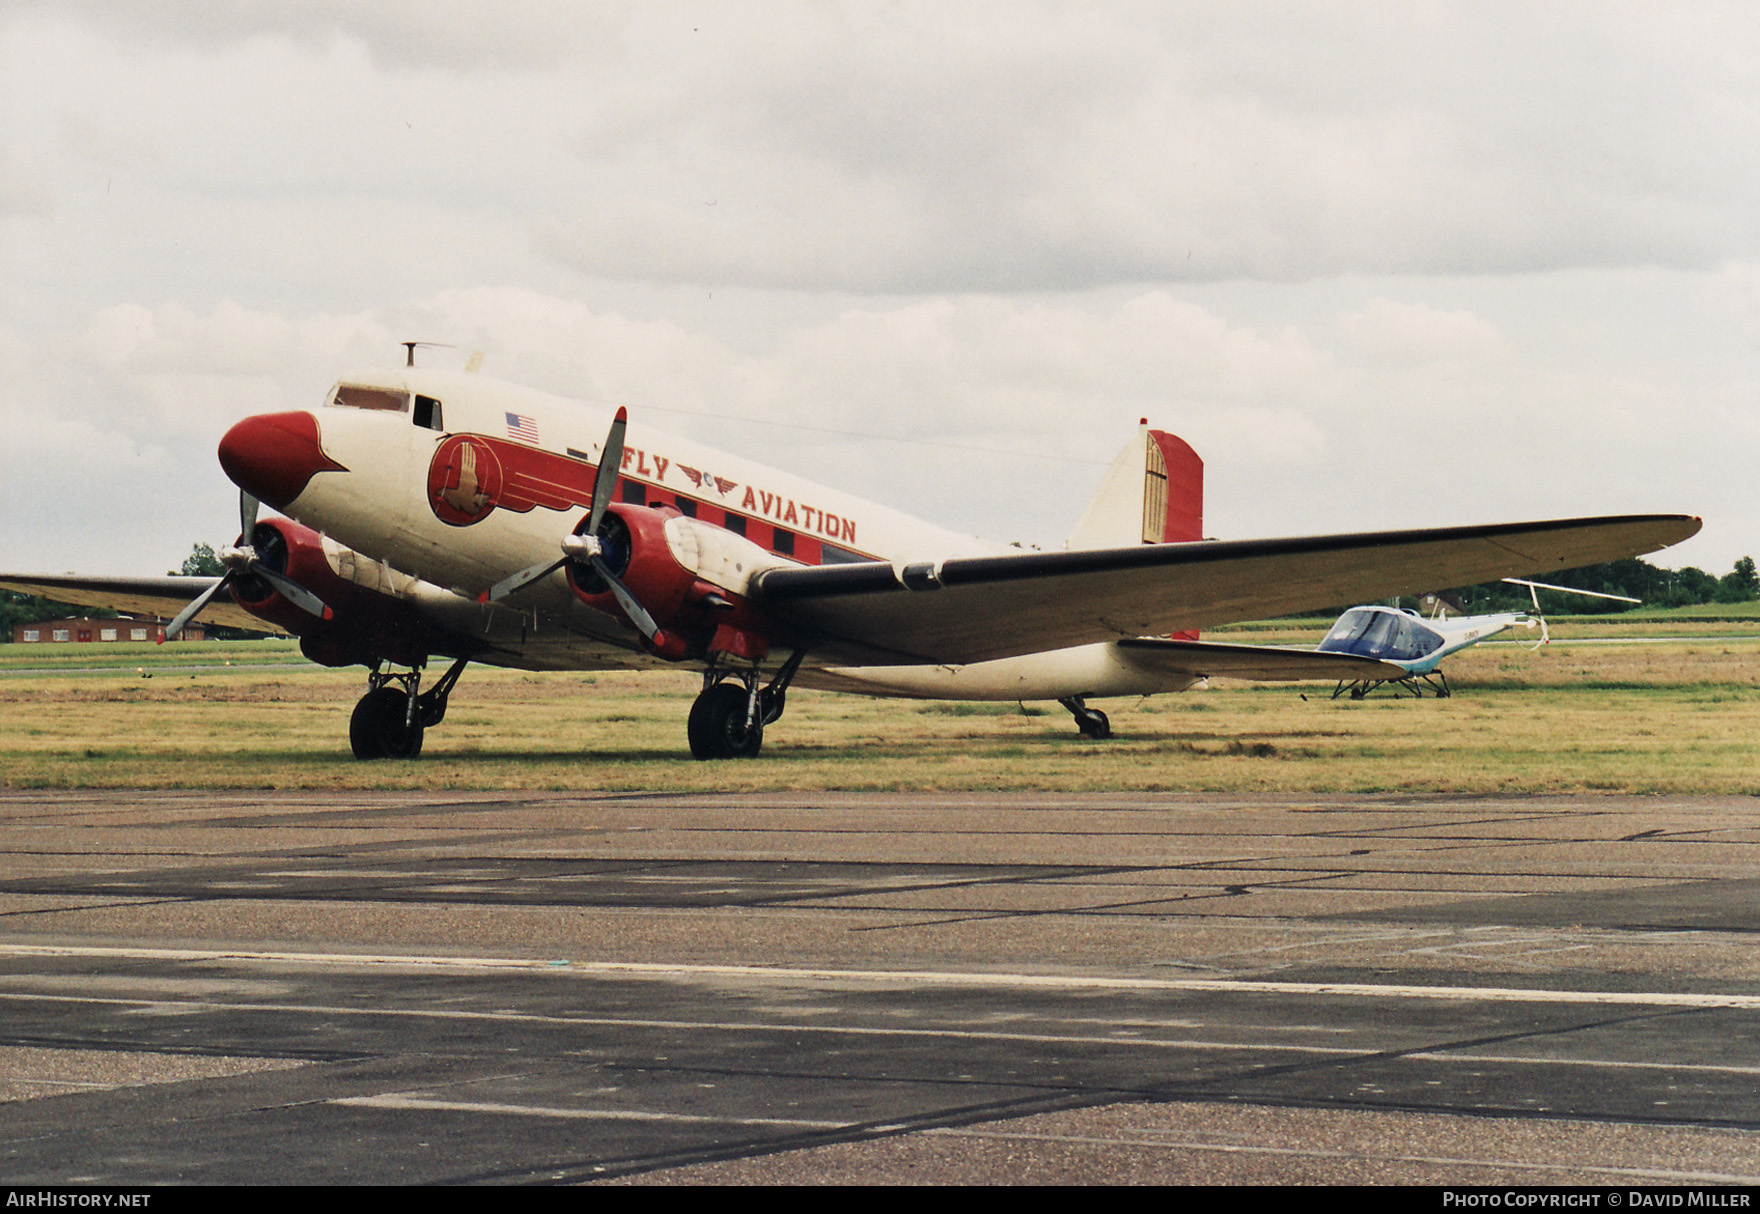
(1173, 497)
(1175, 475)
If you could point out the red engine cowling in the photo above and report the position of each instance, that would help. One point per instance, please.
(695, 617)
(365, 625)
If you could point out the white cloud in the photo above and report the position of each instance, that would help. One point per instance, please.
(916, 148)
(23, 192)
(1401, 333)
(1358, 254)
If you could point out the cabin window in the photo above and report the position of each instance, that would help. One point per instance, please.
(428, 413)
(735, 523)
(352, 397)
(782, 542)
(830, 554)
(1389, 635)
(687, 506)
(635, 493)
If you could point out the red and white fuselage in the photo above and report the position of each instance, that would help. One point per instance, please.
(445, 481)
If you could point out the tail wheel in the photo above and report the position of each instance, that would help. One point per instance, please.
(717, 726)
(380, 727)
(1093, 724)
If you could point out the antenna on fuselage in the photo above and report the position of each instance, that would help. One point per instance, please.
(409, 359)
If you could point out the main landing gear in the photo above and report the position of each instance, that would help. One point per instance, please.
(1436, 681)
(727, 721)
(1091, 721)
(389, 720)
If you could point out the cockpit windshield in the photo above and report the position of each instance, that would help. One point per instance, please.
(1390, 635)
(353, 396)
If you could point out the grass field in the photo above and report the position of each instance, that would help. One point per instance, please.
(1674, 716)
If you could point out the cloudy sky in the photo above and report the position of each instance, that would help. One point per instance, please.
(1384, 265)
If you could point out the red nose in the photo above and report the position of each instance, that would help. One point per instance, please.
(273, 455)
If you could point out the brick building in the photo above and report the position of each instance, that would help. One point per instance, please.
(106, 629)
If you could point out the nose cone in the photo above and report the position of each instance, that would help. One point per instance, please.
(273, 455)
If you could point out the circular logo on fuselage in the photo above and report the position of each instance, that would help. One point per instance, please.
(464, 481)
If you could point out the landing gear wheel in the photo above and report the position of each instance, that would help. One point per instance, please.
(1093, 724)
(717, 726)
(380, 729)
(1090, 721)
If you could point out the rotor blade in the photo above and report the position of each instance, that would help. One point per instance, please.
(611, 457)
(524, 577)
(189, 613)
(634, 610)
(1594, 594)
(247, 516)
(292, 591)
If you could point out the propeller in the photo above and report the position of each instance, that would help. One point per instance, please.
(587, 545)
(241, 562)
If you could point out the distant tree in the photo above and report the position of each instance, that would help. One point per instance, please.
(1690, 586)
(1740, 585)
(201, 562)
(26, 609)
(1632, 577)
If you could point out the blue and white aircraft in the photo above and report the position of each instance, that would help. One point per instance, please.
(1417, 644)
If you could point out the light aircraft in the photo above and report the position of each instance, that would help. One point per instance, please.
(1417, 644)
(437, 513)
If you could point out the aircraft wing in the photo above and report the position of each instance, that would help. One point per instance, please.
(160, 596)
(973, 609)
(1207, 659)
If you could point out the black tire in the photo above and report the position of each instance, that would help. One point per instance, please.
(697, 728)
(717, 725)
(1094, 724)
(379, 730)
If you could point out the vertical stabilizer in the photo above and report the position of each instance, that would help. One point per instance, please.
(1152, 494)
(1181, 517)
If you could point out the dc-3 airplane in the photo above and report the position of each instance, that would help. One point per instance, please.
(435, 513)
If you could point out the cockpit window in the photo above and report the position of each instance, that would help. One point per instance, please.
(428, 413)
(1391, 635)
(352, 397)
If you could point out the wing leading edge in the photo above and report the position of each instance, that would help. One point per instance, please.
(975, 609)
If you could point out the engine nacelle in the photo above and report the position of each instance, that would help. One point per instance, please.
(697, 618)
(365, 625)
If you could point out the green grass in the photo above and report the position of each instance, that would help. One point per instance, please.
(1677, 717)
(76, 658)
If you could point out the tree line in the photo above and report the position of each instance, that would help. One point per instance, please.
(1633, 577)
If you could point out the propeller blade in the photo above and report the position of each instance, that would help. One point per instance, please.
(611, 457)
(292, 591)
(247, 516)
(637, 614)
(524, 577)
(189, 613)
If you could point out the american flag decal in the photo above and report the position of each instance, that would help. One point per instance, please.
(523, 428)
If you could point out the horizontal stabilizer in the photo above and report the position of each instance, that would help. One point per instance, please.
(1207, 659)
